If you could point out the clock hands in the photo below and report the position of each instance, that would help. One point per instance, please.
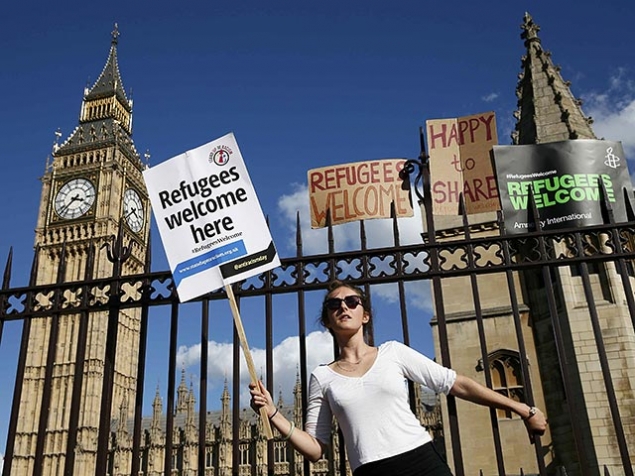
(134, 219)
(133, 211)
(68, 204)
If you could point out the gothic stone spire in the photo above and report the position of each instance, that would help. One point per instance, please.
(157, 411)
(109, 82)
(106, 114)
(547, 110)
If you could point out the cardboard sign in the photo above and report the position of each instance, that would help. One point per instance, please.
(209, 218)
(358, 191)
(459, 150)
(565, 178)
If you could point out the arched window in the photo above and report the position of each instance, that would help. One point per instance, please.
(175, 460)
(245, 453)
(209, 457)
(507, 377)
(280, 452)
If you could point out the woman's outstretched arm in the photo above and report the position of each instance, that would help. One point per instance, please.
(467, 389)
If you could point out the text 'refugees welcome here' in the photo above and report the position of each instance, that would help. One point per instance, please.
(198, 200)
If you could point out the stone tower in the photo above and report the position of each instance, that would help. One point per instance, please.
(92, 189)
(547, 112)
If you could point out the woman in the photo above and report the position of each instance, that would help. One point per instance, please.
(364, 389)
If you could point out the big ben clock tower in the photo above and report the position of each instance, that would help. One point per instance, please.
(93, 184)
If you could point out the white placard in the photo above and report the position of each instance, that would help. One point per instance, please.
(210, 221)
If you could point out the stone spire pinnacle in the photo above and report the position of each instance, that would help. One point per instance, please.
(530, 30)
(182, 397)
(122, 426)
(105, 117)
(297, 397)
(157, 411)
(109, 82)
(547, 110)
(190, 412)
(225, 422)
(115, 35)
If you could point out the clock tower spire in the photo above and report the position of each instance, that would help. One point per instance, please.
(95, 180)
(92, 189)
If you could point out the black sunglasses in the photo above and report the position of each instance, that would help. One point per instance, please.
(335, 303)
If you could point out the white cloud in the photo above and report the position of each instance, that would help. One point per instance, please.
(286, 361)
(620, 81)
(418, 293)
(490, 97)
(613, 110)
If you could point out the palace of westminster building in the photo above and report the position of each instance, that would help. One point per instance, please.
(252, 439)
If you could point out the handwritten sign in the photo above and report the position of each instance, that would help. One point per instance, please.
(460, 162)
(209, 218)
(358, 191)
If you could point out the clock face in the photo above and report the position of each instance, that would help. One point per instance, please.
(74, 198)
(133, 210)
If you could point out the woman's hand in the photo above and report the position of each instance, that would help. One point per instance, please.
(261, 398)
(306, 444)
(536, 424)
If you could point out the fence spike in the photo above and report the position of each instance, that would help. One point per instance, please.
(6, 280)
(298, 235)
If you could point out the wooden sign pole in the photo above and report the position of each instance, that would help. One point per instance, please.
(250, 361)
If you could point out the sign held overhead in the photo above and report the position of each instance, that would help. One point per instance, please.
(209, 218)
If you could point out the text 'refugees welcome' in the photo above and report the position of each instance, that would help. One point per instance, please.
(557, 189)
(199, 201)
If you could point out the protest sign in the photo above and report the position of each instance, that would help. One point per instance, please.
(209, 218)
(460, 162)
(358, 191)
(565, 178)
(212, 227)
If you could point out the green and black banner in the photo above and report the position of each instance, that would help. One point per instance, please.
(565, 178)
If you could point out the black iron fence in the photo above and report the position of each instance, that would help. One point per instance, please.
(467, 251)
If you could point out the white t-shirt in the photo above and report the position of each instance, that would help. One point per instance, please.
(372, 410)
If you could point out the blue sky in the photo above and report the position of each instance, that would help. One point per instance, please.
(301, 84)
